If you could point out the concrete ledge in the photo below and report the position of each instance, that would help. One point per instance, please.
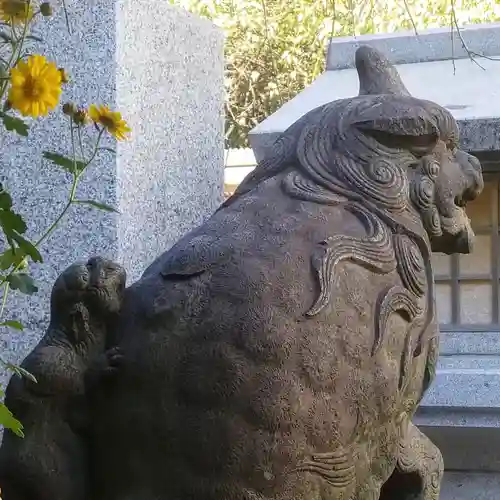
(432, 68)
(477, 344)
(465, 386)
(442, 416)
(454, 86)
(467, 449)
(406, 48)
(461, 411)
(470, 486)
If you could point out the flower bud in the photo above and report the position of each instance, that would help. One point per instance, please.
(46, 9)
(69, 109)
(64, 75)
(81, 117)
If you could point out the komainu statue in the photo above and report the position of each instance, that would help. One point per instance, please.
(279, 351)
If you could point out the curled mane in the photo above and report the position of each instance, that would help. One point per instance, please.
(345, 150)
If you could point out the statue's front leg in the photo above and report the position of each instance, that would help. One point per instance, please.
(419, 469)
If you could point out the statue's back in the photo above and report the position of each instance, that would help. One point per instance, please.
(229, 390)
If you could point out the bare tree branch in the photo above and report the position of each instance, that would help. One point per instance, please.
(412, 21)
(334, 19)
(472, 55)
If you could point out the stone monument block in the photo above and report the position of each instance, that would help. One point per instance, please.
(162, 67)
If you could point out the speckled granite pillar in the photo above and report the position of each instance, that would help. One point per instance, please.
(163, 68)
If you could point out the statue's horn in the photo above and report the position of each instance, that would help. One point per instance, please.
(376, 74)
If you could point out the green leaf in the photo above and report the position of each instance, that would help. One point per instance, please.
(28, 248)
(12, 222)
(11, 257)
(13, 324)
(5, 200)
(7, 259)
(22, 282)
(64, 162)
(13, 124)
(97, 204)
(8, 421)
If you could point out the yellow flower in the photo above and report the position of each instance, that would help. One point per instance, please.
(35, 86)
(112, 121)
(16, 11)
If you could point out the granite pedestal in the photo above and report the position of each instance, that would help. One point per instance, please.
(163, 69)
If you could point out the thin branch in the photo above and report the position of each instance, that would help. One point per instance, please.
(412, 21)
(334, 19)
(66, 16)
(353, 18)
(452, 42)
(470, 53)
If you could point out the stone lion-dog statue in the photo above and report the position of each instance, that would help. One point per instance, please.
(280, 350)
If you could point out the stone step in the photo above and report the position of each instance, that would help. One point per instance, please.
(470, 486)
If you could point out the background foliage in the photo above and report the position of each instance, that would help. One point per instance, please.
(274, 48)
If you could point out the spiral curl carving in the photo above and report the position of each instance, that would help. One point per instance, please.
(383, 181)
(411, 266)
(375, 251)
(422, 193)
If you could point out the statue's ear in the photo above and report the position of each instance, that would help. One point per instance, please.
(400, 123)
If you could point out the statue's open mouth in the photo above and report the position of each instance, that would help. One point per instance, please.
(461, 241)
(460, 201)
(457, 235)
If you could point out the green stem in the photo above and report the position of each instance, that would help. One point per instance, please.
(25, 31)
(80, 141)
(96, 149)
(4, 298)
(15, 45)
(53, 226)
(73, 147)
(71, 199)
(3, 86)
(66, 16)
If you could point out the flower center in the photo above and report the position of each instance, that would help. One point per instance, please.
(107, 122)
(34, 88)
(15, 9)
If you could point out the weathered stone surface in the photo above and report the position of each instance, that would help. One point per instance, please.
(280, 350)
